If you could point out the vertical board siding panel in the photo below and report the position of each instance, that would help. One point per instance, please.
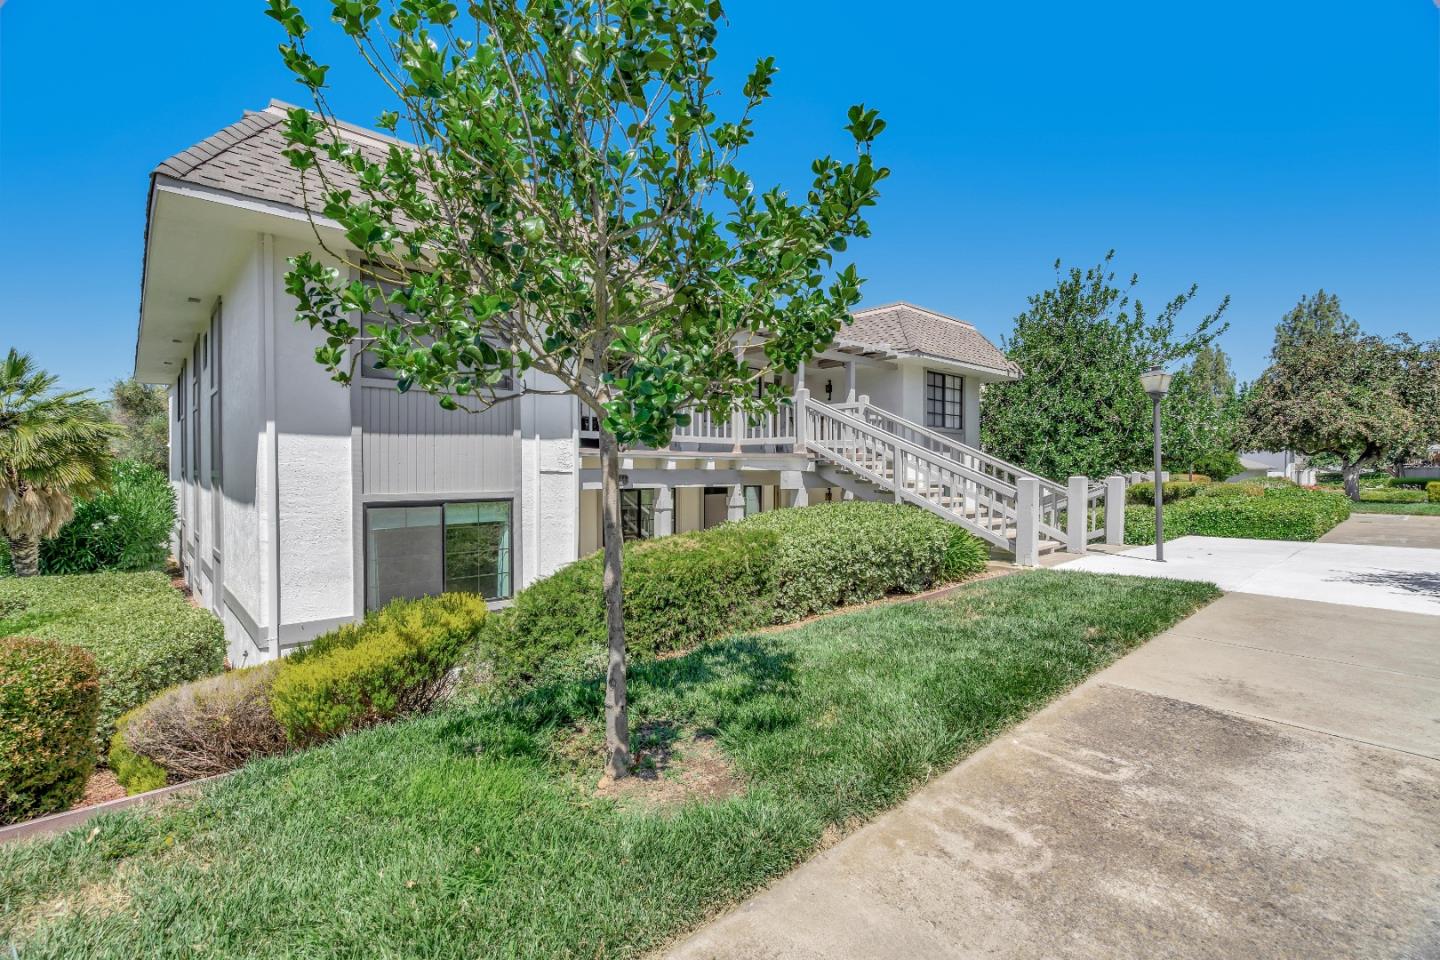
(410, 445)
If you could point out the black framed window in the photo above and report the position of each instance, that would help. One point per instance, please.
(637, 514)
(419, 550)
(944, 400)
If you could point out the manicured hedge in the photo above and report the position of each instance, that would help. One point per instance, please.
(144, 634)
(1242, 489)
(49, 698)
(198, 729)
(1281, 512)
(1394, 495)
(679, 591)
(774, 567)
(1432, 490)
(1418, 482)
(836, 554)
(395, 662)
(1143, 494)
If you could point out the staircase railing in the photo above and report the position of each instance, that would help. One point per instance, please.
(981, 503)
(1053, 496)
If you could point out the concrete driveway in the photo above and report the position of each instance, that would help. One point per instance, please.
(1262, 781)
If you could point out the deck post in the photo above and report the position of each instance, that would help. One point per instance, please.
(1077, 513)
(664, 510)
(735, 506)
(802, 399)
(849, 381)
(1027, 522)
(1115, 510)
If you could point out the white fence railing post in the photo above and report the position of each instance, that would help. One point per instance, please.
(802, 399)
(1077, 514)
(1027, 521)
(1115, 510)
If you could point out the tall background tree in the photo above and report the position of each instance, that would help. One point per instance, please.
(1332, 390)
(573, 217)
(1078, 407)
(143, 411)
(54, 447)
(1202, 415)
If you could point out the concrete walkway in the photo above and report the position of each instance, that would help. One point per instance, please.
(1262, 781)
(1334, 570)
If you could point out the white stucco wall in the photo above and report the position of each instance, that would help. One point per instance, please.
(549, 494)
(243, 449)
(315, 489)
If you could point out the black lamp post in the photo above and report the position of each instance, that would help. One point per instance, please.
(1157, 383)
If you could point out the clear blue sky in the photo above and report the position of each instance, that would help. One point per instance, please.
(1259, 149)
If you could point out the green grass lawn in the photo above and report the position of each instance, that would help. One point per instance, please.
(476, 831)
(1415, 509)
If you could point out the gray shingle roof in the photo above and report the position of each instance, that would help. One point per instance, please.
(906, 328)
(247, 158)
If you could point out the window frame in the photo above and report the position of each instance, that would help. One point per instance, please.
(638, 496)
(948, 384)
(441, 504)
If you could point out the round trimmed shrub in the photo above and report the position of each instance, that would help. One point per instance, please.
(395, 662)
(1143, 494)
(145, 636)
(1432, 490)
(49, 698)
(198, 729)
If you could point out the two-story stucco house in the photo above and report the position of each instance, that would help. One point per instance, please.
(304, 503)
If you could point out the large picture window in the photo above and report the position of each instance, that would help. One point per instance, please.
(426, 549)
(944, 400)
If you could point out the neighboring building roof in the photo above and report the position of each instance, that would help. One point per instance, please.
(247, 158)
(906, 328)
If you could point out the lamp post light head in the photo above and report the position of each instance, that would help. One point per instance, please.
(1156, 383)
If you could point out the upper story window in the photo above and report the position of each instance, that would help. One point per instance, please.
(386, 315)
(944, 400)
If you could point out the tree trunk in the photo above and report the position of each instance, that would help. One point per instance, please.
(24, 556)
(617, 718)
(1351, 472)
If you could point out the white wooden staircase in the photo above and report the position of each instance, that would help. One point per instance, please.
(874, 454)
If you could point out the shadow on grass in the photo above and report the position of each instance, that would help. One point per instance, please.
(739, 679)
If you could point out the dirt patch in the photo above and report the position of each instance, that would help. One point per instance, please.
(101, 787)
(672, 767)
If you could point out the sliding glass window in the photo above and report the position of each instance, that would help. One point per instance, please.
(422, 550)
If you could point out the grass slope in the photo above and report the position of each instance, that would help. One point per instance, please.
(476, 831)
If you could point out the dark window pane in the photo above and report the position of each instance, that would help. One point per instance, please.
(477, 548)
(402, 553)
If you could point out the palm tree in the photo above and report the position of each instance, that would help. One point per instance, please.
(54, 447)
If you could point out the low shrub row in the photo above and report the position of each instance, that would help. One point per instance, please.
(143, 633)
(1143, 494)
(1421, 483)
(395, 662)
(771, 568)
(49, 698)
(1432, 491)
(1277, 512)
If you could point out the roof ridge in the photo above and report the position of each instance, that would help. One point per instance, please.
(918, 309)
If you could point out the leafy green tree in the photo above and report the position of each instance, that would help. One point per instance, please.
(1332, 390)
(573, 220)
(1078, 407)
(143, 410)
(1201, 417)
(54, 447)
